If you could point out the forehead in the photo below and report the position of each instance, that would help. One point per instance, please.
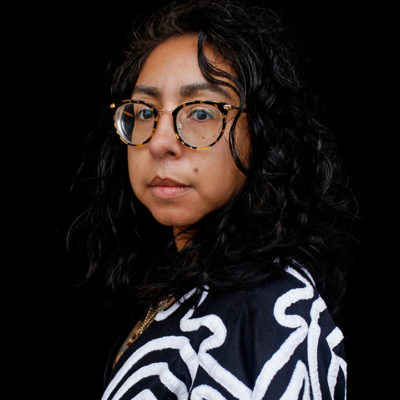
(173, 65)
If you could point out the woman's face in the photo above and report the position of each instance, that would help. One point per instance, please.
(180, 185)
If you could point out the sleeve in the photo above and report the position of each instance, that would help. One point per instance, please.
(279, 343)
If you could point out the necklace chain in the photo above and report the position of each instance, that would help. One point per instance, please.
(140, 327)
(150, 315)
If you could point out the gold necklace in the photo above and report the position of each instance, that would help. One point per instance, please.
(141, 325)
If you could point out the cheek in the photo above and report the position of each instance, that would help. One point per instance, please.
(136, 169)
(131, 168)
(220, 178)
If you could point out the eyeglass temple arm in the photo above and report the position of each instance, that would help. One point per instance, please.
(230, 107)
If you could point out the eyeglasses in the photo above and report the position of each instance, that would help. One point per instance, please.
(197, 124)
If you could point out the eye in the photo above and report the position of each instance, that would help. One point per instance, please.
(144, 114)
(202, 114)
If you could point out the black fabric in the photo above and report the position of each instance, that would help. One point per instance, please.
(274, 341)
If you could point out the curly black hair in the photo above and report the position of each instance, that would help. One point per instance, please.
(296, 207)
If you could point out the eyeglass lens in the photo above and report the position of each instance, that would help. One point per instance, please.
(197, 124)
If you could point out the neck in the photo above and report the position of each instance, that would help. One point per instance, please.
(182, 237)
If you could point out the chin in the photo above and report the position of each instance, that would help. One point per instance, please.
(175, 219)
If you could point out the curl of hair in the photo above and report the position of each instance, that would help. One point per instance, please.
(296, 204)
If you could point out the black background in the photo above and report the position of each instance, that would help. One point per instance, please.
(349, 58)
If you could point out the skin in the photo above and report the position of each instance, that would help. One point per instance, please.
(210, 176)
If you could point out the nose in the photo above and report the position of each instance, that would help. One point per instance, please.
(164, 141)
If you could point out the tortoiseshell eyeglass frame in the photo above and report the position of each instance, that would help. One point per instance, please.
(224, 108)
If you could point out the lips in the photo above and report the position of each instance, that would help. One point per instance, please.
(166, 182)
(166, 188)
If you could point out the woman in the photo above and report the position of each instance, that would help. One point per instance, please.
(221, 215)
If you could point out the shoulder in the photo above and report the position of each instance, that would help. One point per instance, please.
(293, 292)
(280, 338)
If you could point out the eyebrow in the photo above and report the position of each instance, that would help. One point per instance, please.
(194, 88)
(149, 90)
(185, 90)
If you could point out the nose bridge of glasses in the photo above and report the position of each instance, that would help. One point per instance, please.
(172, 121)
(165, 109)
(161, 111)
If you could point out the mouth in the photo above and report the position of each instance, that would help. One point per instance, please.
(166, 182)
(167, 188)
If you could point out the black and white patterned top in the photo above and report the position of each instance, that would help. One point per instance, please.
(274, 341)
